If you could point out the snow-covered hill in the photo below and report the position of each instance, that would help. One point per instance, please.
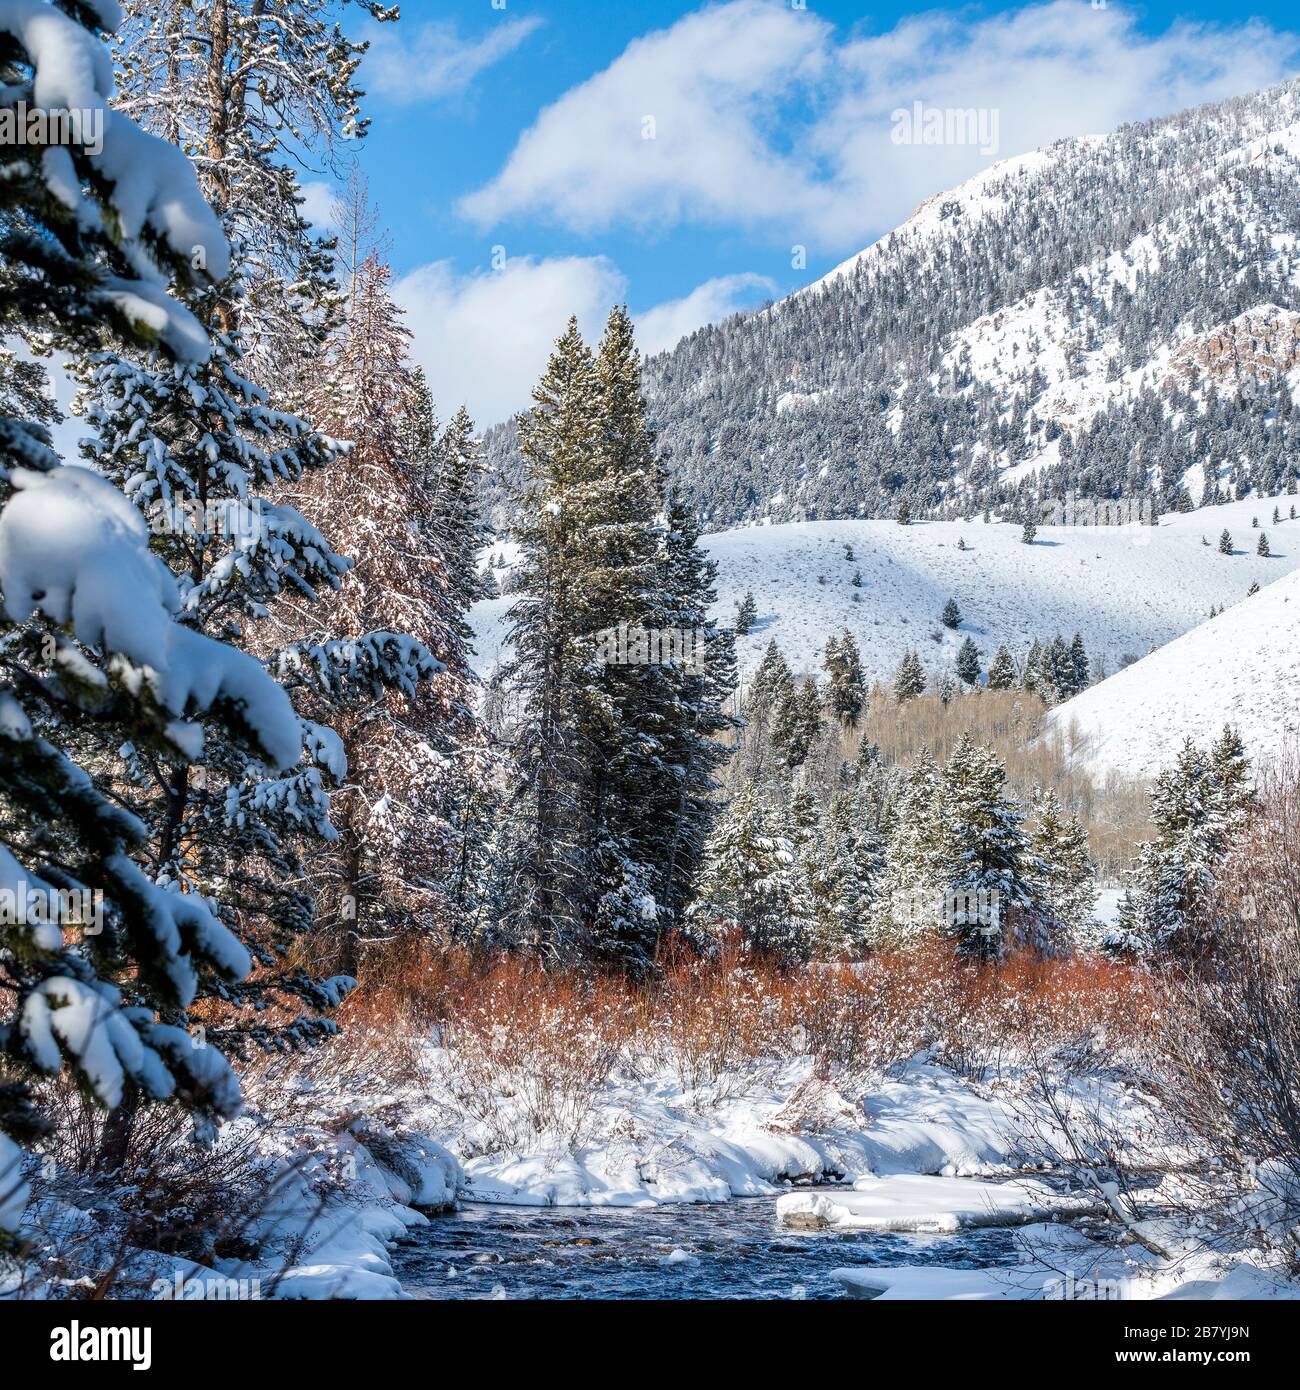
(1240, 668)
(1124, 589)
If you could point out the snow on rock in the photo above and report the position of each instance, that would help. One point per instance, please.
(1240, 668)
(74, 548)
(915, 1202)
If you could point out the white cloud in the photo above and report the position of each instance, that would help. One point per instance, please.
(666, 324)
(766, 118)
(434, 61)
(483, 339)
(318, 204)
(708, 84)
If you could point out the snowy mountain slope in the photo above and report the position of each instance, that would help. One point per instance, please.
(1124, 588)
(1240, 668)
(1109, 314)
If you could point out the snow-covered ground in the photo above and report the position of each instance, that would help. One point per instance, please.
(1240, 668)
(1125, 589)
(917, 1202)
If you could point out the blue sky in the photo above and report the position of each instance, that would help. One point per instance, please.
(534, 158)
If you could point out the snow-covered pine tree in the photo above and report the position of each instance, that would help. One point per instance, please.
(968, 662)
(1002, 670)
(909, 679)
(1080, 668)
(701, 691)
(845, 693)
(910, 894)
(244, 88)
(663, 752)
(1062, 872)
(746, 613)
(771, 681)
(750, 882)
(590, 738)
(650, 706)
(1262, 547)
(951, 615)
(797, 723)
(1225, 542)
(97, 650)
(985, 863)
(841, 868)
(542, 856)
(1198, 808)
(1031, 676)
(396, 848)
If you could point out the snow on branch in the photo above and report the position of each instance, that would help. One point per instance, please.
(75, 550)
(152, 192)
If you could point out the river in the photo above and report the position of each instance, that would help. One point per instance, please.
(729, 1250)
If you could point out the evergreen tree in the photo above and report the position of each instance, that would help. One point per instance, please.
(1062, 872)
(845, 692)
(106, 674)
(1030, 675)
(909, 679)
(1079, 665)
(797, 723)
(1198, 808)
(903, 512)
(985, 862)
(1262, 547)
(910, 897)
(843, 867)
(1028, 532)
(698, 694)
(746, 613)
(600, 852)
(1002, 670)
(1225, 542)
(968, 662)
(951, 615)
(553, 628)
(750, 882)
(772, 680)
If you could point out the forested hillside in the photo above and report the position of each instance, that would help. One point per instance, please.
(1115, 315)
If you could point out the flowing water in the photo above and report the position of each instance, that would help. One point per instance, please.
(730, 1250)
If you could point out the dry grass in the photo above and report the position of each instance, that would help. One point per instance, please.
(527, 1051)
(1011, 722)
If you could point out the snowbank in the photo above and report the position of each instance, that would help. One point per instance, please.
(911, 1202)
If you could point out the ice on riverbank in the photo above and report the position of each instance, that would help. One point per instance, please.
(1060, 1264)
(934, 1205)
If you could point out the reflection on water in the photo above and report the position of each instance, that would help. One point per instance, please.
(731, 1250)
